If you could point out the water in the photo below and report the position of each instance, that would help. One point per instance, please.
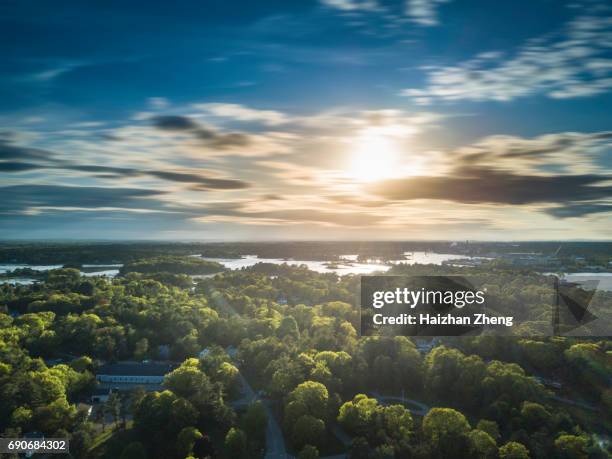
(348, 264)
(18, 280)
(11, 267)
(605, 279)
(88, 270)
(347, 267)
(107, 273)
(432, 258)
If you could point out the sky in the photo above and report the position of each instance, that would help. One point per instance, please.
(323, 119)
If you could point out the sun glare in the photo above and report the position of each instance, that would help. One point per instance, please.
(374, 157)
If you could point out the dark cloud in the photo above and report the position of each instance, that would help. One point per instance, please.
(209, 136)
(25, 197)
(489, 186)
(15, 166)
(174, 123)
(272, 197)
(567, 147)
(603, 135)
(9, 151)
(202, 182)
(109, 137)
(10, 156)
(232, 139)
(107, 170)
(578, 210)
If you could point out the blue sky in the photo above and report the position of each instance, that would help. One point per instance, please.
(366, 119)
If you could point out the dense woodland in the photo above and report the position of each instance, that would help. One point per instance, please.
(295, 333)
(597, 253)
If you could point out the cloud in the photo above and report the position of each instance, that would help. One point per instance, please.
(158, 103)
(50, 74)
(38, 199)
(10, 151)
(420, 12)
(424, 12)
(210, 136)
(351, 5)
(202, 182)
(576, 65)
(490, 186)
(175, 123)
(32, 198)
(15, 166)
(109, 170)
(243, 113)
(565, 170)
(567, 152)
(579, 210)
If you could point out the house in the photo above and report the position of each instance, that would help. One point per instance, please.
(134, 373)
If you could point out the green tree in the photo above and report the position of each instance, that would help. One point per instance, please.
(100, 416)
(82, 363)
(513, 450)
(397, 422)
(489, 427)
(81, 440)
(255, 421)
(141, 348)
(113, 406)
(571, 447)
(359, 449)
(535, 416)
(186, 440)
(228, 375)
(308, 452)
(383, 451)
(134, 450)
(446, 431)
(308, 430)
(236, 443)
(313, 396)
(189, 382)
(288, 327)
(482, 445)
(358, 415)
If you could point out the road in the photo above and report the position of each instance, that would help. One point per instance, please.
(275, 442)
(577, 403)
(248, 394)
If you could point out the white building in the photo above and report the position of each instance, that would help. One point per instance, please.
(133, 373)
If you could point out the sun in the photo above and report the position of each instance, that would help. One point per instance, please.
(374, 157)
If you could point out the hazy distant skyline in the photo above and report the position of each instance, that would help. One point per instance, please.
(330, 119)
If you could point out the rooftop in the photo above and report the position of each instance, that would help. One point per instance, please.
(136, 369)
